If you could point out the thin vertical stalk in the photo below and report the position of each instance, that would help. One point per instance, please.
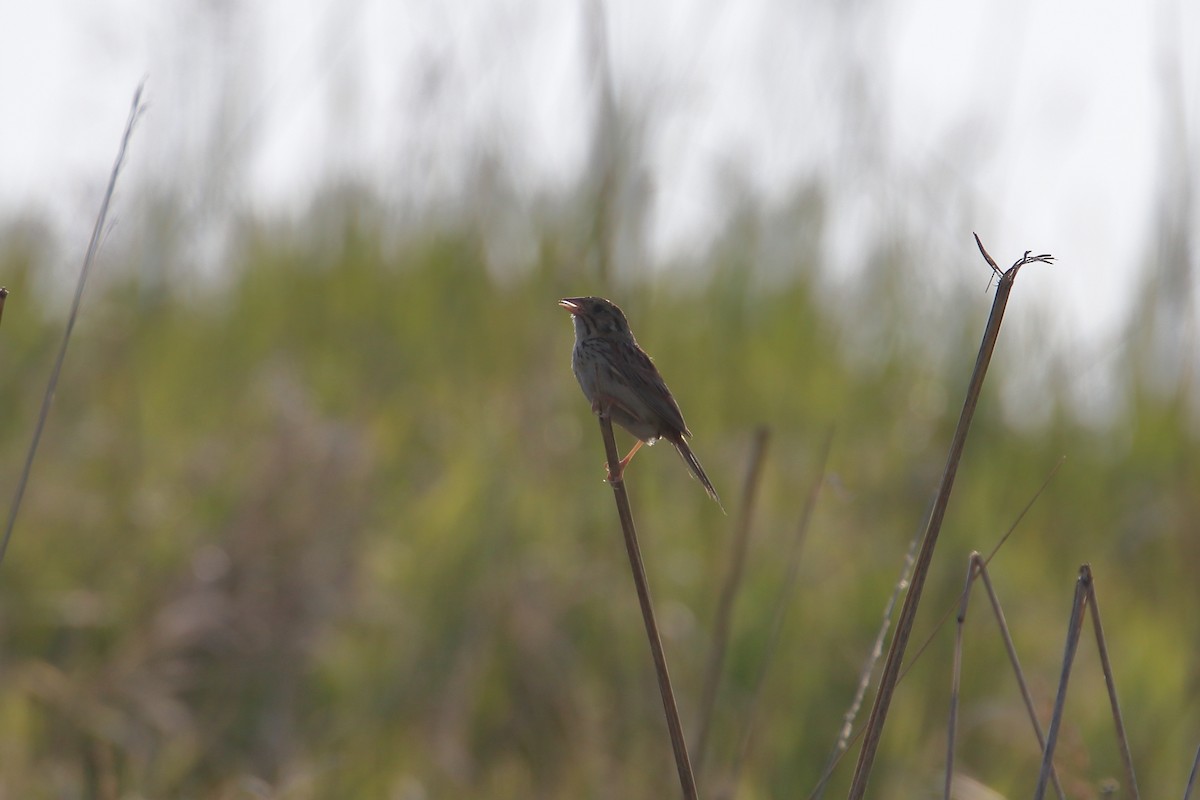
(1110, 682)
(1011, 649)
(1073, 630)
(88, 260)
(1187, 792)
(687, 780)
(908, 612)
(977, 571)
(973, 566)
(845, 739)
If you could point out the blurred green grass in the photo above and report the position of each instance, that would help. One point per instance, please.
(336, 527)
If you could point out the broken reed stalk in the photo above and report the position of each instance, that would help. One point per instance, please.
(89, 258)
(729, 590)
(908, 612)
(1085, 596)
(977, 570)
(687, 780)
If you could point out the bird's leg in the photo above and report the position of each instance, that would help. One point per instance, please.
(603, 406)
(625, 462)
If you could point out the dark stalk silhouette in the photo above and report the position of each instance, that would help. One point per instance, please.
(687, 780)
(908, 612)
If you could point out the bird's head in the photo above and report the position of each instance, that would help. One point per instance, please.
(595, 316)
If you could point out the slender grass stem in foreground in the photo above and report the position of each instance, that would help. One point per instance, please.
(89, 258)
(908, 612)
(687, 780)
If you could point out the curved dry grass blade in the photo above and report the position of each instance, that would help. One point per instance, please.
(1011, 649)
(908, 612)
(687, 780)
(88, 259)
(977, 570)
(729, 591)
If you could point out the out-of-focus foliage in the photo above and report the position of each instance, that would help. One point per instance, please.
(338, 528)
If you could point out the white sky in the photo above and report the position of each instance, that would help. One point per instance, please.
(1045, 119)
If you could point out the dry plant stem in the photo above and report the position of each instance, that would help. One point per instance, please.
(977, 569)
(1187, 792)
(845, 739)
(1085, 595)
(1073, 630)
(996, 549)
(908, 612)
(1011, 649)
(3, 297)
(687, 781)
(950, 610)
(956, 675)
(88, 259)
(729, 592)
(1118, 722)
(779, 615)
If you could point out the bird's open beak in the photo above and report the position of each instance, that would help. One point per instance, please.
(571, 304)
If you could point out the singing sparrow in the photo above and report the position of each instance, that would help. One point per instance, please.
(620, 380)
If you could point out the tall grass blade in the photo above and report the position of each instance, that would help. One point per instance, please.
(908, 612)
(687, 780)
(88, 260)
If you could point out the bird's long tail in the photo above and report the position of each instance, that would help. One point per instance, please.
(693, 463)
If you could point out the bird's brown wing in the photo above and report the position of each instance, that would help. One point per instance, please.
(653, 391)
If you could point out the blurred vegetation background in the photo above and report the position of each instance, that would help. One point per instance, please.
(330, 521)
(336, 527)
